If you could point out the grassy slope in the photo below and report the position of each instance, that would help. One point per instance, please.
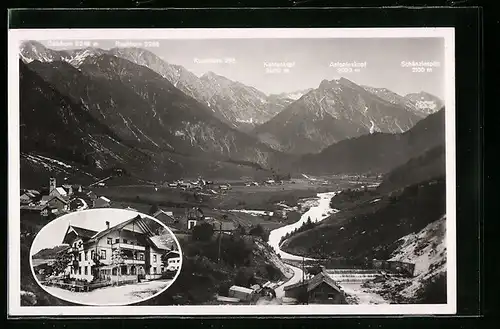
(372, 229)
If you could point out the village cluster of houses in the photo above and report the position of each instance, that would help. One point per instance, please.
(184, 223)
(58, 200)
(314, 289)
(198, 184)
(201, 184)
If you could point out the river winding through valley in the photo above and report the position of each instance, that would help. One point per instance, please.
(319, 210)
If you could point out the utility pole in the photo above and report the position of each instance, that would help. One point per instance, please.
(220, 241)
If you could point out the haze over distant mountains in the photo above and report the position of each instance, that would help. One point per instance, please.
(128, 106)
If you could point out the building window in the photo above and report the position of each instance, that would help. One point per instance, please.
(141, 256)
(154, 258)
(86, 255)
(132, 270)
(80, 257)
(110, 241)
(114, 271)
(86, 271)
(92, 254)
(117, 240)
(135, 255)
(331, 296)
(103, 254)
(80, 270)
(125, 241)
(191, 224)
(154, 270)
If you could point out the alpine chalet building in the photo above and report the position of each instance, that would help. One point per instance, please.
(125, 253)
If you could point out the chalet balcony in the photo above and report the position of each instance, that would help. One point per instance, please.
(128, 246)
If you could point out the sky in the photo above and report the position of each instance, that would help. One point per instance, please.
(53, 233)
(244, 60)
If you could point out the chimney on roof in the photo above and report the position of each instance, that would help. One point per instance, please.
(107, 225)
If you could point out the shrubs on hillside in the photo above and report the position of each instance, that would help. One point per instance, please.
(434, 291)
(259, 231)
(350, 197)
(245, 277)
(306, 226)
(234, 251)
(203, 232)
(372, 230)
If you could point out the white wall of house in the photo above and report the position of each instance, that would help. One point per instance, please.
(155, 261)
(174, 264)
(104, 248)
(85, 262)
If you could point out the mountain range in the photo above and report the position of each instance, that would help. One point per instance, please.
(334, 111)
(422, 103)
(232, 102)
(127, 107)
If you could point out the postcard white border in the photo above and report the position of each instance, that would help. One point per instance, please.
(18, 35)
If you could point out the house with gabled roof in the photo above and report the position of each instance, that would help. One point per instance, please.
(223, 226)
(102, 202)
(25, 198)
(320, 289)
(59, 203)
(124, 253)
(58, 191)
(166, 217)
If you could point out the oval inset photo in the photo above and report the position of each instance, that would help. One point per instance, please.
(105, 257)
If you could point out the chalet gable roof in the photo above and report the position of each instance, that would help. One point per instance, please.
(84, 233)
(137, 219)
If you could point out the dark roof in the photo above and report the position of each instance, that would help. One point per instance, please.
(172, 253)
(59, 198)
(140, 222)
(83, 232)
(218, 224)
(161, 214)
(79, 231)
(223, 225)
(316, 281)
